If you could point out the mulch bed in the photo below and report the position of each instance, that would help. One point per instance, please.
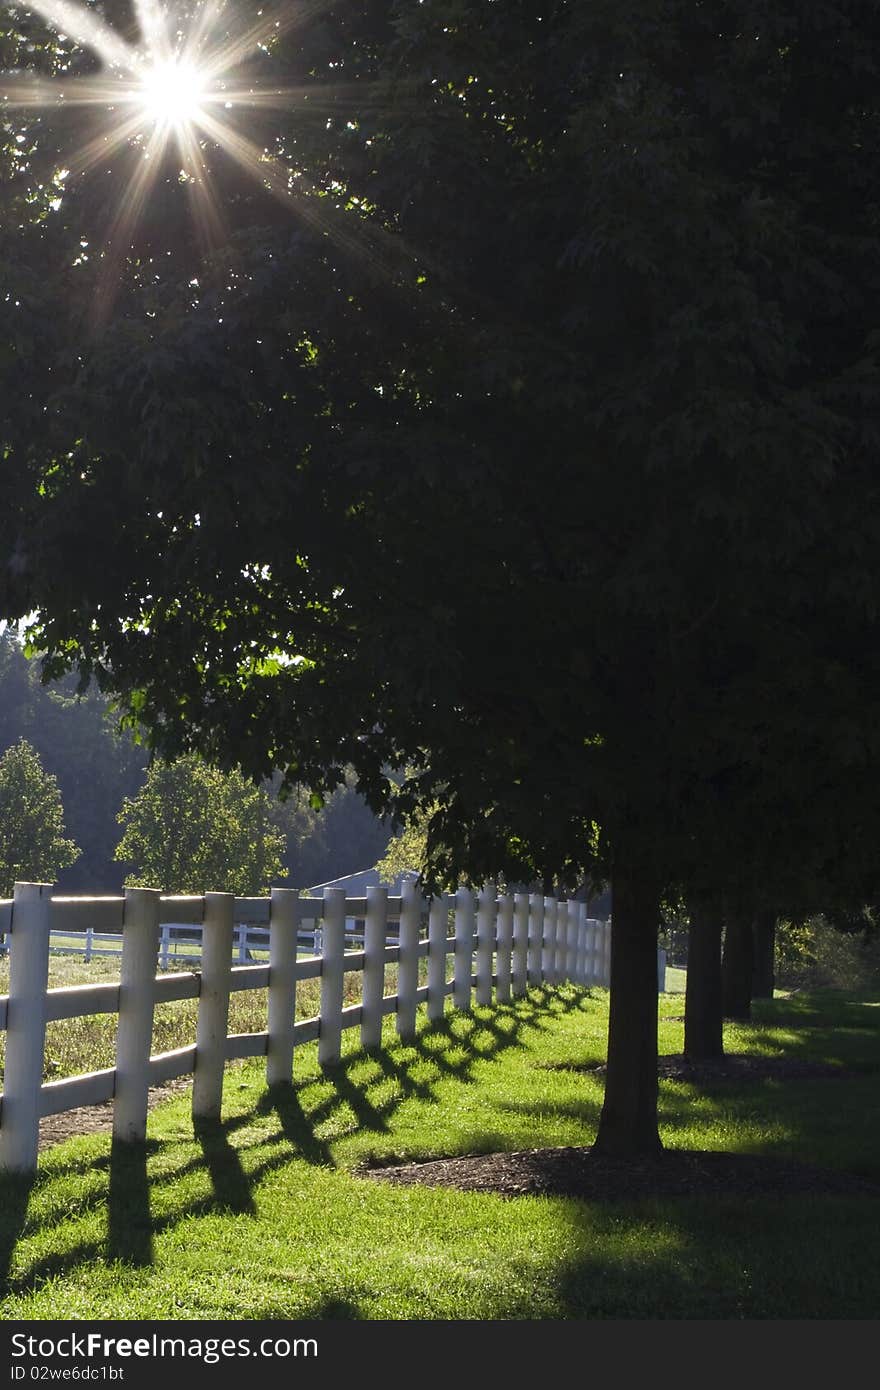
(578, 1172)
(97, 1119)
(733, 1066)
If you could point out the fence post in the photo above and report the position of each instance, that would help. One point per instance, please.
(213, 1018)
(557, 940)
(332, 977)
(569, 940)
(548, 953)
(408, 960)
(580, 961)
(520, 944)
(140, 946)
(87, 953)
(283, 945)
(438, 931)
(505, 945)
(373, 981)
(464, 948)
(241, 937)
(485, 942)
(592, 946)
(590, 952)
(536, 934)
(606, 954)
(25, 1026)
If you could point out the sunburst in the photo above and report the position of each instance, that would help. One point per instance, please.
(184, 83)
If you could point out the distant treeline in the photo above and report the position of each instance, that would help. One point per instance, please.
(97, 766)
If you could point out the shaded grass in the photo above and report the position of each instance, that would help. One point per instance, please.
(264, 1215)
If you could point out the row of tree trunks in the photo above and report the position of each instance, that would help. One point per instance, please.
(736, 966)
(723, 986)
(716, 988)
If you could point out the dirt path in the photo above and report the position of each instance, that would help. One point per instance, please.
(98, 1119)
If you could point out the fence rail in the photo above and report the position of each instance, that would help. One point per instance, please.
(500, 944)
(181, 940)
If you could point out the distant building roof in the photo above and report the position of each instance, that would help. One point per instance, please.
(357, 884)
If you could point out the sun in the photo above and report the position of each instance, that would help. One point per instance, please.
(197, 79)
(170, 93)
(188, 80)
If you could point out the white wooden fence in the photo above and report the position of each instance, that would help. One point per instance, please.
(181, 943)
(501, 945)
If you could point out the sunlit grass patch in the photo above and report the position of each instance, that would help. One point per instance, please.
(268, 1215)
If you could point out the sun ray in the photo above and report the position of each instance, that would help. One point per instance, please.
(118, 237)
(230, 54)
(246, 153)
(23, 89)
(324, 96)
(206, 211)
(366, 241)
(88, 31)
(205, 25)
(105, 144)
(151, 21)
(139, 185)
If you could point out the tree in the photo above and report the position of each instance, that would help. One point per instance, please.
(192, 828)
(548, 496)
(32, 843)
(405, 852)
(703, 1016)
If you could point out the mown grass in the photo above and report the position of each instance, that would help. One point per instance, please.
(264, 1216)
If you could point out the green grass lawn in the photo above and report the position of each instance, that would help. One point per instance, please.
(676, 979)
(262, 1217)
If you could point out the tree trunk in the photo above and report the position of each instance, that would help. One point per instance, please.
(764, 942)
(703, 1022)
(628, 1124)
(736, 966)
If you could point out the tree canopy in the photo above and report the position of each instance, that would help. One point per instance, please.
(541, 458)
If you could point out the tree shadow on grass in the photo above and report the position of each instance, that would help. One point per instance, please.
(773, 1257)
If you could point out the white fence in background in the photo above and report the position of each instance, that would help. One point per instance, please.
(181, 942)
(500, 946)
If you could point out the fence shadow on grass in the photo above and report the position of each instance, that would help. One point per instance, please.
(231, 1185)
(370, 1085)
(450, 1048)
(16, 1196)
(129, 1222)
